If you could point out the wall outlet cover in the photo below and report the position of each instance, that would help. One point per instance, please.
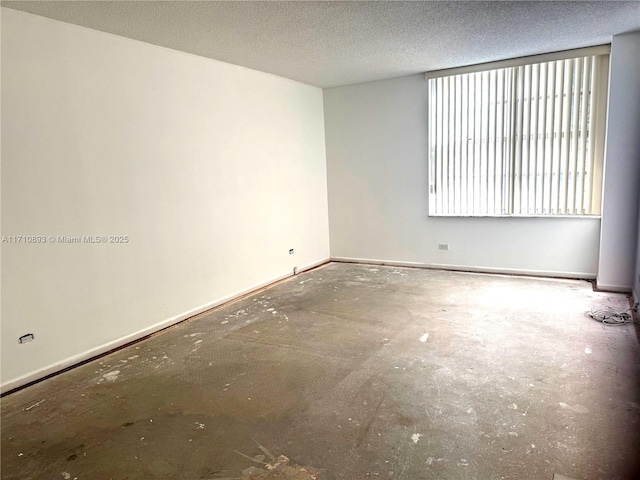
(29, 337)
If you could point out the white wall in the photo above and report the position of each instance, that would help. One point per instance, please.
(618, 243)
(213, 171)
(636, 278)
(376, 137)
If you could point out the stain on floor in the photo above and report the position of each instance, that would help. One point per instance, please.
(358, 372)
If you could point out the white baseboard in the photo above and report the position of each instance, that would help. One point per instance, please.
(107, 347)
(467, 268)
(612, 288)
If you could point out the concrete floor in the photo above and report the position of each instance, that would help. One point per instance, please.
(333, 368)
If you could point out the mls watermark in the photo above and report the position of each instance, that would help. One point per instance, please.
(65, 239)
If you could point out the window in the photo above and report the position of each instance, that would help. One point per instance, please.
(519, 138)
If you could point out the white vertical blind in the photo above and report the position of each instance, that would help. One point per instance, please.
(522, 140)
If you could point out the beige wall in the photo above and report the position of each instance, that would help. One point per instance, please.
(212, 171)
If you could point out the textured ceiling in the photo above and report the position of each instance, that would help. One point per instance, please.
(330, 44)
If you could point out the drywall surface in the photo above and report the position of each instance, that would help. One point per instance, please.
(618, 243)
(204, 175)
(376, 136)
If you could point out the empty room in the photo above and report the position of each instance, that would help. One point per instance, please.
(320, 240)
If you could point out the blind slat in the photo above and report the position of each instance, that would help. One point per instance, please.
(541, 156)
(575, 125)
(517, 134)
(566, 132)
(445, 139)
(582, 193)
(551, 121)
(440, 151)
(557, 137)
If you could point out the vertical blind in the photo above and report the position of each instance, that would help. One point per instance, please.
(520, 140)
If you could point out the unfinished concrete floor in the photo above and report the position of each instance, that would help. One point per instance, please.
(335, 370)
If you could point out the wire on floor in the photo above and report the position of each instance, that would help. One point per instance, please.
(609, 316)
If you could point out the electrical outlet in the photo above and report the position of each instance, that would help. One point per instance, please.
(29, 337)
(291, 251)
(443, 246)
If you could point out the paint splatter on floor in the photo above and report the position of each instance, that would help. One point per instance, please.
(111, 376)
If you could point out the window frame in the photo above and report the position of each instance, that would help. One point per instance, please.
(597, 127)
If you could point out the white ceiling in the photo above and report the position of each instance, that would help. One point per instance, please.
(330, 44)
